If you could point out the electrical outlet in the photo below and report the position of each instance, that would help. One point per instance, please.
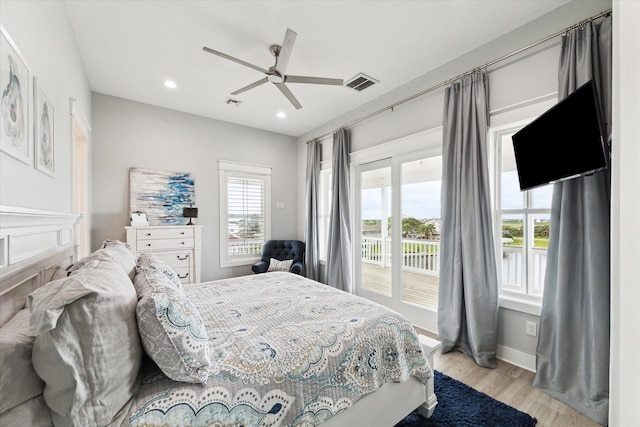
(531, 328)
(280, 205)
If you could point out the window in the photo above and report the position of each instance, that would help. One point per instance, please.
(522, 221)
(324, 211)
(245, 200)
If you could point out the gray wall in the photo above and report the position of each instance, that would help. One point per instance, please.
(42, 32)
(517, 80)
(129, 134)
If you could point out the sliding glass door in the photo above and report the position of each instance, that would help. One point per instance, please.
(375, 228)
(397, 233)
(420, 213)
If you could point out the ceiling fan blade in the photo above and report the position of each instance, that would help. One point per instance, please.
(251, 86)
(314, 80)
(231, 58)
(286, 92)
(285, 51)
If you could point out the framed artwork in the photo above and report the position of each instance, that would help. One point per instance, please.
(43, 131)
(138, 219)
(161, 195)
(15, 104)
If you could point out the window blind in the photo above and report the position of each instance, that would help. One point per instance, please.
(246, 219)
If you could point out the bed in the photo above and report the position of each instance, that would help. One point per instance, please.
(280, 349)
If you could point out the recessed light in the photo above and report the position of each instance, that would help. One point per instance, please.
(170, 84)
(281, 115)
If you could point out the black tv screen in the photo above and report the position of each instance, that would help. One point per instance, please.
(565, 142)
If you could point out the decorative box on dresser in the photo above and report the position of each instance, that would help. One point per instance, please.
(180, 246)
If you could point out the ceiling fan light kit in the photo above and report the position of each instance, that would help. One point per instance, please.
(276, 73)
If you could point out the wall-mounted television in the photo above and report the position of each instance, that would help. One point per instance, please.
(565, 142)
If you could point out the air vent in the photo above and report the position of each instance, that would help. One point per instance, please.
(233, 102)
(361, 82)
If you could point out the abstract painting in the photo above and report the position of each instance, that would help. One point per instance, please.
(15, 79)
(43, 131)
(161, 194)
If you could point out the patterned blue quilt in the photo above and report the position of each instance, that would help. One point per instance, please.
(285, 351)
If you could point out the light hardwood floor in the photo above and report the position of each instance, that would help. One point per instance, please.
(511, 385)
(417, 288)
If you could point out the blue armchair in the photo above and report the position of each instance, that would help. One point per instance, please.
(281, 250)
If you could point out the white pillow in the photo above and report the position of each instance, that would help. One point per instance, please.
(123, 253)
(33, 412)
(18, 381)
(277, 265)
(87, 348)
(112, 250)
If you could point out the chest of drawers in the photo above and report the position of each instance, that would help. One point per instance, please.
(179, 246)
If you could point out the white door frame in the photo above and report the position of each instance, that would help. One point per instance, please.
(80, 176)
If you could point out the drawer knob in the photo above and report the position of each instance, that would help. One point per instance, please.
(182, 243)
(148, 234)
(183, 277)
(148, 244)
(183, 258)
(182, 232)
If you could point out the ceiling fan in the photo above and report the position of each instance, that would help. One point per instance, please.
(276, 73)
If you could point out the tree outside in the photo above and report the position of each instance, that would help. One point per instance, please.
(513, 229)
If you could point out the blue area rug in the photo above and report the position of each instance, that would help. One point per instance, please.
(462, 406)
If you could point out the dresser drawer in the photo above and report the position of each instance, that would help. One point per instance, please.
(176, 259)
(184, 274)
(150, 245)
(164, 233)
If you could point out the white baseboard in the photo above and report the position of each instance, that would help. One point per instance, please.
(518, 358)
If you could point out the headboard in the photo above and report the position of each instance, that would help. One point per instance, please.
(33, 244)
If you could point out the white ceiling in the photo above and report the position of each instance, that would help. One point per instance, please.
(130, 48)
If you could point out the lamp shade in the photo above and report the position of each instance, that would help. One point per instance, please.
(190, 212)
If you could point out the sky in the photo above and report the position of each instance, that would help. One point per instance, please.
(512, 196)
(422, 200)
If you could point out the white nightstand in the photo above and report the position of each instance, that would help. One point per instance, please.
(180, 246)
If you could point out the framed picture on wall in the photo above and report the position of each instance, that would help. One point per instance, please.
(44, 134)
(15, 102)
(138, 219)
(161, 195)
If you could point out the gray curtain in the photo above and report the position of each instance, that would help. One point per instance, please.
(339, 244)
(312, 255)
(572, 356)
(468, 298)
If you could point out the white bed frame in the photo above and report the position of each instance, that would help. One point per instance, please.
(34, 243)
(393, 401)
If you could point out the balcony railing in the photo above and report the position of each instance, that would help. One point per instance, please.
(245, 246)
(420, 256)
(513, 268)
(423, 257)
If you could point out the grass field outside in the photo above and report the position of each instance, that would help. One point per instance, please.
(537, 242)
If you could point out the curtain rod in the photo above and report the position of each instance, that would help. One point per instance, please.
(488, 64)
